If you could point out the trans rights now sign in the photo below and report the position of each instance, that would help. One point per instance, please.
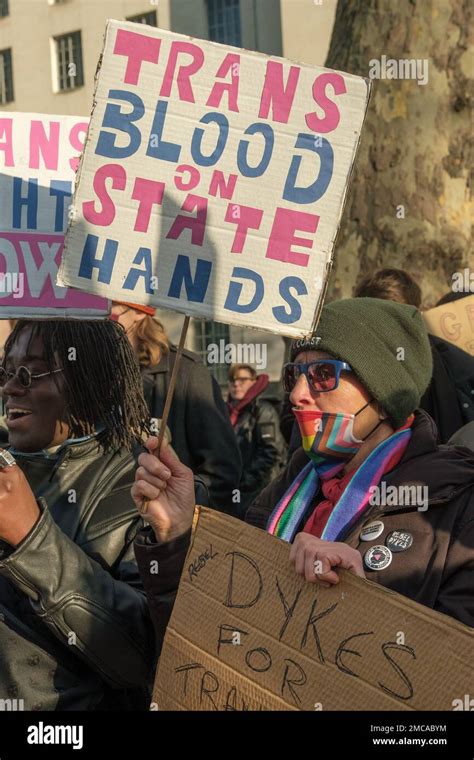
(212, 180)
(38, 158)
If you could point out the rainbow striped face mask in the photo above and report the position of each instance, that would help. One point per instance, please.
(329, 434)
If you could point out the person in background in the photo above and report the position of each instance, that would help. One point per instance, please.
(257, 427)
(363, 437)
(75, 632)
(449, 399)
(200, 430)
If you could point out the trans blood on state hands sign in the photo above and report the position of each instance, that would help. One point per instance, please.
(212, 180)
(38, 159)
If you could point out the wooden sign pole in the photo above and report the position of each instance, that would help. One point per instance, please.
(169, 397)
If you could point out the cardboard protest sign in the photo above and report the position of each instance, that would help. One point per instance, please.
(247, 633)
(212, 180)
(453, 322)
(38, 157)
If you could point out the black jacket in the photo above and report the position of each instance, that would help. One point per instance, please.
(262, 448)
(437, 570)
(76, 632)
(449, 399)
(202, 435)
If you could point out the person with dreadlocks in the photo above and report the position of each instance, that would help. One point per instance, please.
(75, 632)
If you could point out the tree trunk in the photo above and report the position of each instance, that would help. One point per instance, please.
(409, 204)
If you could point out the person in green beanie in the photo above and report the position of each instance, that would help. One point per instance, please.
(369, 491)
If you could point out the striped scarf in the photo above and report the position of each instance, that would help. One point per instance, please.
(292, 507)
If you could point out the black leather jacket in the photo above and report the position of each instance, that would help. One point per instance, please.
(75, 632)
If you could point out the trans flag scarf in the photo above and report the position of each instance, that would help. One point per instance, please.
(329, 442)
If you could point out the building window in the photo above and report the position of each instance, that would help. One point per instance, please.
(69, 69)
(6, 77)
(224, 21)
(4, 8)
(144, 18)
(207, 332)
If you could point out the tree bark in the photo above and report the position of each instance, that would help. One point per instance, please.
(416, 147)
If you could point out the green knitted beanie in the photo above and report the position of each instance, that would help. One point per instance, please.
(386, 344)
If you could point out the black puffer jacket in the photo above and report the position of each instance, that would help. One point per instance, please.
(262, 448)
(202, 435)
(75, 631)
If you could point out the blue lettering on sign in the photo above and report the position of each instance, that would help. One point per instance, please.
(166, 151)
(242, 152)
(115, 119)
(60, 190)
(143, 256)
(279, 312)
(30, 201)
(195, 289)
(89, 262)
(235, 290)
(314, 192)
(196, 143)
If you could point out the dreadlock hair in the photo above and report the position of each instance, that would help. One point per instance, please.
(101, 377)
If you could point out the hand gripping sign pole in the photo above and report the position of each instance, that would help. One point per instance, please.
(169, 398)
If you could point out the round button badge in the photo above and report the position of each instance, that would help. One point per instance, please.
(399, 540)
(378, 557)
(371, 531)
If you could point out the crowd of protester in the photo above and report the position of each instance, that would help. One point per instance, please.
(83, 614)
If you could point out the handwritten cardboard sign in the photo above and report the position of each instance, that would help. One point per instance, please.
(453, 322)
(38, 158)
(247, 633)
(213, 179)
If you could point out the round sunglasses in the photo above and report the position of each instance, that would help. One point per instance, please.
(322, 375)
(23, 375)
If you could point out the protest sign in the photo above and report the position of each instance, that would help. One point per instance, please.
(212, 180)
(247, 633)
(453, 322)
(38, 158)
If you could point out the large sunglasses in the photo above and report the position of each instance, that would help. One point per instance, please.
(23, 375)
(322, 375)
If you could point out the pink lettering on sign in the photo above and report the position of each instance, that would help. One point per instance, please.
(136, 48)
(148, 192)
(219, 184)
(196, 224)
(46, 145)
(331, 112)
(185, 72)
(76, 142)
(106, 214)
(246, 218)
(230, 63)
(36, 258)
(282, 236)
(181, 183)
(6, 131)
(276, 95)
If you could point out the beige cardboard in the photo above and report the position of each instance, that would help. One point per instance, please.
(143, 248)
(39, 154)
(371, 649)
(453, 322)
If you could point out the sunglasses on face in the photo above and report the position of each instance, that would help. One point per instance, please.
(23, 375)
(322, 375)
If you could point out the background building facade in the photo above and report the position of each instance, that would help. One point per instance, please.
(49, 51)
